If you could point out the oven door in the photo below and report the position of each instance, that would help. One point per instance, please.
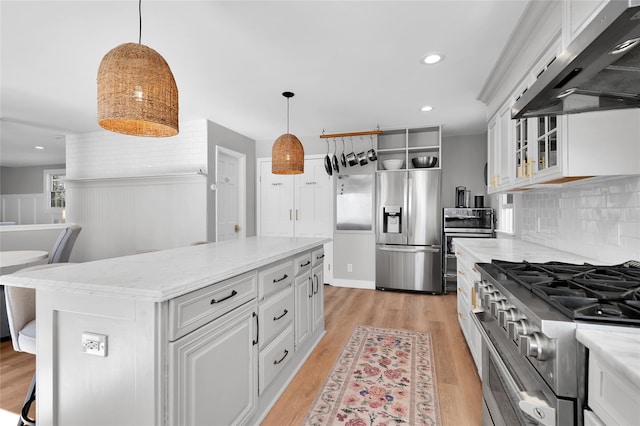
(512, 391)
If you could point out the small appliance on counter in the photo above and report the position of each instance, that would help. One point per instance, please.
(408, 228)
(462, 223)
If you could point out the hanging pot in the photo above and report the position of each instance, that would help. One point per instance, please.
(343, 159)
(327, 161)
(371, 154)
(335, 158)
(362, 156)
(351, 157)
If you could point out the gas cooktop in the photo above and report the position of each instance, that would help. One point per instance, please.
(609, 294)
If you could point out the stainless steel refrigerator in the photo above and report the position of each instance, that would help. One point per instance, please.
(409, 231)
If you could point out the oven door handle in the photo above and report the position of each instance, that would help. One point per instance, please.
(532, 403)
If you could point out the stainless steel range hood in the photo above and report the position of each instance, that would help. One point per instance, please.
(599, 70)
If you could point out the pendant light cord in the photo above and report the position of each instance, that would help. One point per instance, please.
(140, 21)
(287, 115)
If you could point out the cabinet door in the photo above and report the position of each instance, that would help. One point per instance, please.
(213, 371)
(304, 298)
(318, 296)
(492, 155)
(506, 168)
(313, 211)
(275, 203)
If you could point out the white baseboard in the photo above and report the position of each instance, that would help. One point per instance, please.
(367, 285)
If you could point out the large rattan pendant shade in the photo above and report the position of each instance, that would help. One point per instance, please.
(287, 153)
(137, 94)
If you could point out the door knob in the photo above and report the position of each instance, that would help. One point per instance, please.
(236, 228)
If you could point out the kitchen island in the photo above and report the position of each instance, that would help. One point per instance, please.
(206, 334)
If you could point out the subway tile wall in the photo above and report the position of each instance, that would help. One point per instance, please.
(106, 154)
(598, 219)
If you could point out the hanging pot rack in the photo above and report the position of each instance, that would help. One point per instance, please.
(341, 135)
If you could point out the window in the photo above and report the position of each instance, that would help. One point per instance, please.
(505, 213)
(54, 189)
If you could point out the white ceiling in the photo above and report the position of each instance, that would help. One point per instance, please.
(352, 65)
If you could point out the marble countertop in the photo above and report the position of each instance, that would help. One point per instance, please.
(487, 249)
(618, 351)
(163, 275)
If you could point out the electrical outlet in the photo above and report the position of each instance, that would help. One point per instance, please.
(94, 344)
(349, 267)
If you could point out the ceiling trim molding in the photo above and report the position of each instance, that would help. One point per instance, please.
(531, 17)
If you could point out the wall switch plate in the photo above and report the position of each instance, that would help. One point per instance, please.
(349, 267)
(94, 344)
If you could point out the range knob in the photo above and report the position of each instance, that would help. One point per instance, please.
(490, 297)
(516, 328)
(498, 305)
(484, 288)
(506, 315)
(535, 345)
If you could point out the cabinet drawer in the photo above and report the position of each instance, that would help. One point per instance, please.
(317, 256)
(275, 278)
(193, 310)
(274, 358)
(302, 264)
(612, 396)
(275, 314)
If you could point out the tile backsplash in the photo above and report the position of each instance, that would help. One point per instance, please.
(599, 219)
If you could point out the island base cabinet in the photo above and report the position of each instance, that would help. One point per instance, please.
(213, 373)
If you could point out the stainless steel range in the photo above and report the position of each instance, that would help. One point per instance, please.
(533, 368)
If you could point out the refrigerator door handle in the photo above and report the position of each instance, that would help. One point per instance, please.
(402, 249)
(410, 210)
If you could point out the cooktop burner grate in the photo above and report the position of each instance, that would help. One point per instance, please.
(582, 292)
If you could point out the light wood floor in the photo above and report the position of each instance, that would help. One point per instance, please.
(458, 385)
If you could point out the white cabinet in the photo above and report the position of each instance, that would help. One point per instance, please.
(468, 301)
(406, 144)
(317, 275)
(295, 205)
(613, 398)
(213, 366)
(500, 160)
(577, 15)
(215, 371)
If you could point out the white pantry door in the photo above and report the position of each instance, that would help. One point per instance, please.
(230, 194)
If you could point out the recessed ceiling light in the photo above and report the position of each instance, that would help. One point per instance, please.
(39, 147)
(426, 108)
(433, 58)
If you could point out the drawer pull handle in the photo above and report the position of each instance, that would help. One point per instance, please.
(320, 257)
(233, 293)
(286, 352)
(308, 262)
(283, 278)
(283, 314)
(255, 342)
(310, 288)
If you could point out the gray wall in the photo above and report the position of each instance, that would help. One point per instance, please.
(24, 180)
(221, 136)
(463, 160)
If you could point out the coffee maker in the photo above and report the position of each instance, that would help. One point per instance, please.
(460, 196)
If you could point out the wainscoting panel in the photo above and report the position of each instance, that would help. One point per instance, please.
(27, 209)
(121, 216)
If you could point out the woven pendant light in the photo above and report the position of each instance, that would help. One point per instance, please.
(287, 154)
(137, 94)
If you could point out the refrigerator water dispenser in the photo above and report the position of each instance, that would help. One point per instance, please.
(392, 220)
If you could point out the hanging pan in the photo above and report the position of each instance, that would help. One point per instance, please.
(351, 157)
(362, 156)
(371, 154)
(335, 157)
(343, 159)
(327, 161)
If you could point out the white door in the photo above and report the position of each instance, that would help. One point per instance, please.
(313, 201)
(230, 194)
(276, 202)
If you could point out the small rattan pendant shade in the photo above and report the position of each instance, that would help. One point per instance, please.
(137, 94)
(287, 156)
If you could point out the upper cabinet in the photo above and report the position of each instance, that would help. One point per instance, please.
(407, 144)
(528, 153)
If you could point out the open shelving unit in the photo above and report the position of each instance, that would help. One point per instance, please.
(407, 144)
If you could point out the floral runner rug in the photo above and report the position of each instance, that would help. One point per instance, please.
(381, 377)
